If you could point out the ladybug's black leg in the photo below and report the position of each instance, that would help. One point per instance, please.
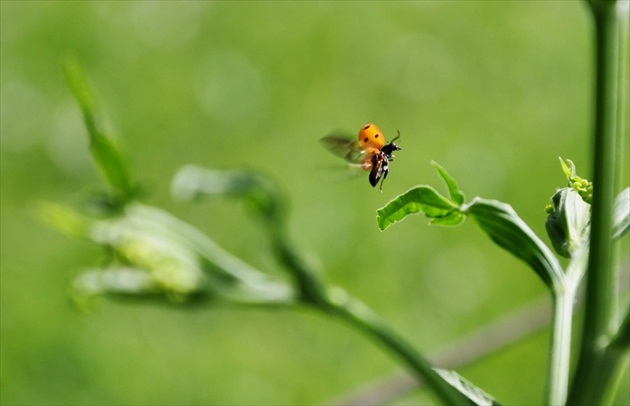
(383, 179)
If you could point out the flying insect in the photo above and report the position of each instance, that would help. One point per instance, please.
(369, 151)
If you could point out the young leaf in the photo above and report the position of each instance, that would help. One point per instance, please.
(418, 199)
(105, 151)
(457, 195)
(472, 392)
(508, 230)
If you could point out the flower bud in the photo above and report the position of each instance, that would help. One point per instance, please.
(568, 224)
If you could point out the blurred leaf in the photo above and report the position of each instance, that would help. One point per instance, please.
(105, 151)
(418, 199)
(156, 256)
(621, 214)
(261, 194)
(472, 392)
(457, 195)
(266, 200)
(64, 218)
(508, 230)
(117, 280)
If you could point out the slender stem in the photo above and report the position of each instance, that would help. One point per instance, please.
(313, 292)
(594, 368)
(560, 348)
(361, 317)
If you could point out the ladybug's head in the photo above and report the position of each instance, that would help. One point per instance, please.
(390, 147)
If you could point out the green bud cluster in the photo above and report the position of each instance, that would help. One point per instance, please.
(582, 186)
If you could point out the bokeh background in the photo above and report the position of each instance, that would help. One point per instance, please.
(494, 91)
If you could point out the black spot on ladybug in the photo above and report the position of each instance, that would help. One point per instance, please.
(376, 136)
(366, 127)
(365, 139)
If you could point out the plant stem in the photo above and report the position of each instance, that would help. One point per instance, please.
(361, 317)
(558, 379)
(595, 364)
(336, 302)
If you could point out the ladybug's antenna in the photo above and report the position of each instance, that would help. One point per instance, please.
(397, 137)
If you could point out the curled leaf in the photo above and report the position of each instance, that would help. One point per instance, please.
(423, 199)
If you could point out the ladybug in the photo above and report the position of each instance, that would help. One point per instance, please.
(369, 151)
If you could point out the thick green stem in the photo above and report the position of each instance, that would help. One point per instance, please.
(596, 365)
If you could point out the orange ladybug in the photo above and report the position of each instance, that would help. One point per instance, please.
(370, 151)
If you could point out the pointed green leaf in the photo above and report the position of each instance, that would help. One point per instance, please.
(457, 195)
(418, 199)
(105, 151)
(472, 392)
(508, 230)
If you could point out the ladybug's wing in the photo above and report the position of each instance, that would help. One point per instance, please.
(380, 169)
(379, 165)
(344, 147)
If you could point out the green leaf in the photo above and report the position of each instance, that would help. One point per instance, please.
(508, 230)
(64, 218)
(259, 192)
(452, 219)
(105, 151)
(457, 195)
(418, 199)
(472, 392)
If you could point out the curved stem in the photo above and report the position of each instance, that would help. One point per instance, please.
(336, 302)
(360, 316)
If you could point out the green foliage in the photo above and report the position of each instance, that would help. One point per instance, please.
(190, 85)
(427, 200)
(106, 152)
(497, 219)
(568, 225)
(472, 392)
(509, 231)
(457, 196)
(423, 199)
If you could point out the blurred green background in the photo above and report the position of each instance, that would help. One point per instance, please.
(494, 91)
